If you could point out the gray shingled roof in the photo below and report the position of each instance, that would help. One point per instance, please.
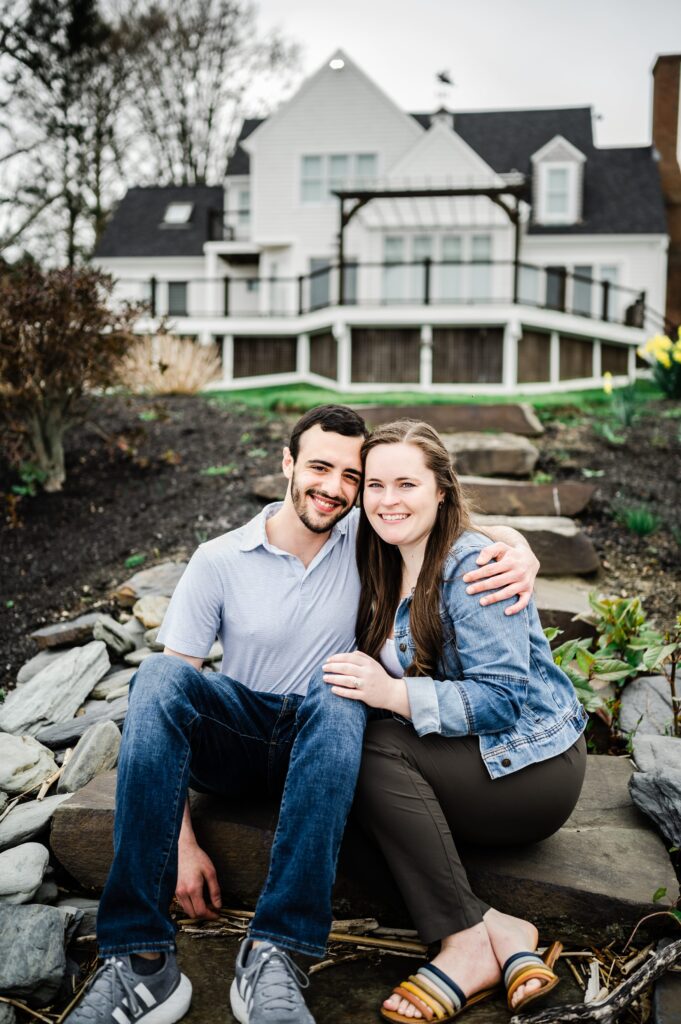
(622, 192)
(136, 227)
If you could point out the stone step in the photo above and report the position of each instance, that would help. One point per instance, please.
(504, 455)
(563, 602)
(489, 495)
(561, 547)
(590, 882)
(516, 418)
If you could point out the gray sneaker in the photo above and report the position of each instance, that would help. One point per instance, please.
(266, 987)
(116, 993)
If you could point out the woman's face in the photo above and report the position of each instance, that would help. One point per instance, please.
(401, 495)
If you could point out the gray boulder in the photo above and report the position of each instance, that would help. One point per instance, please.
(32, 959)
(113, 680)
(87, 924)
(21, 872)
(658, 794)
(136, 658)
(37, 662)
(657, 753)
(160, 579)
(27, 820)
(7, 1014)
(646, 707)
(48, 892)
(64, 734)
(76, 631)
(56, 692)
(114, 635)
(24, 763)
(96, 751)
(504, 455)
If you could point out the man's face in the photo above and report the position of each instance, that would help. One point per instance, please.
(324, 478)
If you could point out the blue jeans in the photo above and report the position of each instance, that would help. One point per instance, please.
(188, 726)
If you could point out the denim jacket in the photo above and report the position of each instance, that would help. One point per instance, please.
(498, 679)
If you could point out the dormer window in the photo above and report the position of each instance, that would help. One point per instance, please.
(558, 171)
(178, 213)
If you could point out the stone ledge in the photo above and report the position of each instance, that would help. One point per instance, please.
(513, 418)
(590, 882)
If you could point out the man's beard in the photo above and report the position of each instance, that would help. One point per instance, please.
(300, 506)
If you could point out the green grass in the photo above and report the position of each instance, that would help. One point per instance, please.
(638, 519)
(300, 397)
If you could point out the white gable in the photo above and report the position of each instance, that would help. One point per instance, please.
(441, 158)
(558, 150)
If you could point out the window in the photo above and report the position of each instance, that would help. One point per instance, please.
(177, 298)
(321, 175)
(450, 272)
(319, 282)
(555, 287)
(244, 205)
(481, 275)
(393, 276)
(312, 184)
(557, 194)
(581, 290)
(178, 213)
(557, 191)
(611, 305)
(421, 249)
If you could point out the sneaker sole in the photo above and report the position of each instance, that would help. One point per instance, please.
(172, 1008)
(238, 1004)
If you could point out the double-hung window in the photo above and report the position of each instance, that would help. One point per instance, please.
(321, 175)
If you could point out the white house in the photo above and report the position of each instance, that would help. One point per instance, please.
(497, 248)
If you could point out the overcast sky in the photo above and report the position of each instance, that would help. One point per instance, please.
(500, 53)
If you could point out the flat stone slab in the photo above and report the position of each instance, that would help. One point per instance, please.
(559, 544)
(159, 579)
(569, 881)
(493, 496)
(76, 631)
(28, 819)
(271, 487)
(65, 733)
(516, 418)
(563, 602)
(503, 455)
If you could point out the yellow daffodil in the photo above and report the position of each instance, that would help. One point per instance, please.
(607, 382)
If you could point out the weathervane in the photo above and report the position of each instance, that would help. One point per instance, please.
(445, 83)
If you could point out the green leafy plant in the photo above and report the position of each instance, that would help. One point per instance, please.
(605, 431)
(2, 695)
(134, 560)
(638, 519)
(147, 415)
(31, 477)
(542, 478)
(589, 473)
(257, 453)
(225, 470)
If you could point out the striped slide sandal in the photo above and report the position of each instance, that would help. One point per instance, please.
(523, 967)
(434, 995)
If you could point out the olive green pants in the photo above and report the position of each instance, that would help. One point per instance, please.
(418, 797)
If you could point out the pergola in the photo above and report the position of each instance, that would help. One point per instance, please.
(507, 197)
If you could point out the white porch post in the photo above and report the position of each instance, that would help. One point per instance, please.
(205, 338)
(303, 355)
(212, 303)
(554, 358)
(426, 358)
(631, 363)
(341, 333)
(509, 373)
(228, 357)
(596, 370)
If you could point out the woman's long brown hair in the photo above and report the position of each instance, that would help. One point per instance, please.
(380, 564)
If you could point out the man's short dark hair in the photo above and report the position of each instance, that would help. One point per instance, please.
(337, 419)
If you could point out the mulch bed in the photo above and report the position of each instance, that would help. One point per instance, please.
(137, 484)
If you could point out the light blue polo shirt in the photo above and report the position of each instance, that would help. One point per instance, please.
(277, 620)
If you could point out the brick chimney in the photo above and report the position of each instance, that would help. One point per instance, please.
(667, 142)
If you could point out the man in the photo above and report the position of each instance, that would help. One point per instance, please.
(281, 592)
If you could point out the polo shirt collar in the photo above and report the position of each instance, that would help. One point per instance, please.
(255, 534)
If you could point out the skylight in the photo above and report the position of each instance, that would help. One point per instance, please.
(178, 213)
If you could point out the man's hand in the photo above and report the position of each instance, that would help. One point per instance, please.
(508, 572)
(196, 879)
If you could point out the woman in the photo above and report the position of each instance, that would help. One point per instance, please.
(485, 741)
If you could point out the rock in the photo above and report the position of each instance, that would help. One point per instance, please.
(568, 879)
(24, 763)
(136, 658)
(215, 653)
(151, 609)
(646, 707)
(121, 691)
(657, 753)
(658, 794)
(38, 661)
(63, 735)
(32, 959)
(563, 602)
(56, 692)
(77, 631)
(47, 893)
(27, 820)
(150, 639)
(135, 630)
(270, 488)
(7, 1014)
(561, 547)
(3, 801)
(21, 872)
(96, 751)
(88, 907)
(491, 496)
(515, 418)
(114, 635)
(160, 579)
(491, 454)
(666, 993)
(113, 680)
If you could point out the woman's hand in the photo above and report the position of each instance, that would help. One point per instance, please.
(358, 677)
(507, 572)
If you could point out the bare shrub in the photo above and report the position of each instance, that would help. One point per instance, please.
(166, 365)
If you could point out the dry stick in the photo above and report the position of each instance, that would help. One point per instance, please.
(629, 966)
(45, 787)
(22, 1006)
(616, 1003)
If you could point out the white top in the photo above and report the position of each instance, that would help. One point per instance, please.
(389, 660)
